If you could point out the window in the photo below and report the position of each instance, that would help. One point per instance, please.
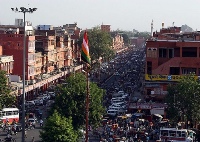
(189, 52)
(152, 52)
(162, 52)
(183, 134)
(52, 42)
(171, 53)
(178, 133)
(18, 44)
(149, 67)
(188, 70)
(8, 113)
(15, 112)
(172, 133)
(164, 133)
(174, 70)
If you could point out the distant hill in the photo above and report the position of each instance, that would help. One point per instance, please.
(186, 28)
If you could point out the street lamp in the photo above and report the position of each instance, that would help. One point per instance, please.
(24, 11)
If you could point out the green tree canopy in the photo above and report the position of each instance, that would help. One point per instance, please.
(71, 100)
(58, 129)
(100, 44)
(6, 99)
(125, 38)
(145, 35)
(183, 99)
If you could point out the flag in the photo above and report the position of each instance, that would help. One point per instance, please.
(85, 56)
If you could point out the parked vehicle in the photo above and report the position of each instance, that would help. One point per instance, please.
(32, 122)
(112, 112)
(29, 103)
(117, 101)
(116, 105)
(38, 102)
(38, 113)
(177, 135)
(52, 95)
(121, 92)
(9, 115)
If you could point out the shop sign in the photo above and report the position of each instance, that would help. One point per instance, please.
(165, 77)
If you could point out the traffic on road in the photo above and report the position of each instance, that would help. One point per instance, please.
(35, 115)
(129, 116)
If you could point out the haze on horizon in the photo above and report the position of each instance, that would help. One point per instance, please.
(120, 14)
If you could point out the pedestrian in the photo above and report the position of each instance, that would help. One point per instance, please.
(41, 122)
(33, 139)
(25, 133)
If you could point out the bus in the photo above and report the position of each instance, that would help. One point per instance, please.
(175, 135)
(9, 115)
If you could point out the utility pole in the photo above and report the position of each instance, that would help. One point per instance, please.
(24, 11)
(87, 102)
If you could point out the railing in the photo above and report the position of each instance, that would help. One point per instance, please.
(50, 79)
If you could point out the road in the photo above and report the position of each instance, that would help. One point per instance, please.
(30, 133)
(107, 80)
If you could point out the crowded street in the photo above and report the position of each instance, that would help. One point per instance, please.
(130, 117)
(122, 87)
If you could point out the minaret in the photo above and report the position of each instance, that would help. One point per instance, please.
(152, 28)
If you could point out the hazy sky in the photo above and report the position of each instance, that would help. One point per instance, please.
(120, 14)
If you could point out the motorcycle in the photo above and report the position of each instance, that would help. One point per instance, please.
(41, 124)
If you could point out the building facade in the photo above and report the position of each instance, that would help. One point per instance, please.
(48, 57)
(105, 28)
(170, 55)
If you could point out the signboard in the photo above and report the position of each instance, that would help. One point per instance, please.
(165, 77)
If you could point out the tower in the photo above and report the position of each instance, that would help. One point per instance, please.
(152, 28)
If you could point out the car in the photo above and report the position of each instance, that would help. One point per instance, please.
(125, 95)
(38, 112)
(52, 94)
(39, 102)
(112, 112)
(135, 99)
(18, 128)
(46, 97)
(50, 102)
(30, 103)
(116, 73)
(117, 98)
(118, 101)
(121, 92)
(117, 106)
(32, 121)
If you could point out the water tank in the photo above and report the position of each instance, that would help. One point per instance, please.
(163, 24)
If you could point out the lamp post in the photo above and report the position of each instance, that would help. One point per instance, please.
(24, 11)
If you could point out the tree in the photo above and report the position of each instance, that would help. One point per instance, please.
(58, 129)
(100, 44)
(125, 38)
(6, 99)
(145, 35)
(183, 100)
(71, 100)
